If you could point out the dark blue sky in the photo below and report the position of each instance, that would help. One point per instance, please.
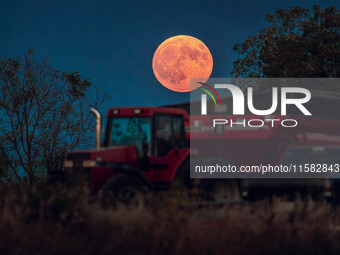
(112, 42)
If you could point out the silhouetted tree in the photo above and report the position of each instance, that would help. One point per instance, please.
(43, 114)
(296, 43)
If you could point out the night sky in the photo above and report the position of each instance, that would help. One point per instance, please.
(112, 42)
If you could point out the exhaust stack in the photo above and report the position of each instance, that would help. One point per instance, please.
(98, 123)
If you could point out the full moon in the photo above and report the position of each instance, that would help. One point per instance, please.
(180, 58)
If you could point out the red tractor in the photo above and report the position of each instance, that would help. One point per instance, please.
(148, 148)
(143, 148)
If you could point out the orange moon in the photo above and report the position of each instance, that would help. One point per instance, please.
(180, 58)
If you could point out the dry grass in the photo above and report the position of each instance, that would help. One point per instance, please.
(46, 220)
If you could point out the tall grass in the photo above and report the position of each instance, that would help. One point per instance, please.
(46, 220)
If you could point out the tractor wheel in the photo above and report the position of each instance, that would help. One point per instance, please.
(183, 175)
(221, 189)
(226, 189)
(124, 190)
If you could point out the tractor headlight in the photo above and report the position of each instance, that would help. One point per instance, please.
(89, 163)
(68, 163)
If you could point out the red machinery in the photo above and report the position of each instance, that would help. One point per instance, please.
(149, 146)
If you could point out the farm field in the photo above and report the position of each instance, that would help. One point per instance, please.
(42, 220)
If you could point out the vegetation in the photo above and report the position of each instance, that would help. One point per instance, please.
(43, 114)
(42, 220)
(296, 43)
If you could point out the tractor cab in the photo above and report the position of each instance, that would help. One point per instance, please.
(155, 132)
(148, 142)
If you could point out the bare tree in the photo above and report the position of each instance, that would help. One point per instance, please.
(43, 114)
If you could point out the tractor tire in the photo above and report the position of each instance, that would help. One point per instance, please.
(124, 190)
(183, 175)
(227, 189)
